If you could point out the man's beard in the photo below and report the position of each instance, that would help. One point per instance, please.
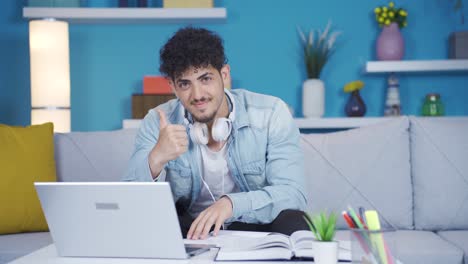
(205, 120)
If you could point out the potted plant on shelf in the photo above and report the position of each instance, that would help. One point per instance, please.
(317, 48)
(324, 228)
(390, 43)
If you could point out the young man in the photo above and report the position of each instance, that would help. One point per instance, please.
(231, 157)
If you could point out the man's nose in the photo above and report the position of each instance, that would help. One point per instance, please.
(197, 92)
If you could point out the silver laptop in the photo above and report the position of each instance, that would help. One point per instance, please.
(114, 219)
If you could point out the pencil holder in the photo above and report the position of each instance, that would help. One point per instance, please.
(374, 247)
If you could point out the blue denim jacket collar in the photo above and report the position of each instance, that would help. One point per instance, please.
(242, 119)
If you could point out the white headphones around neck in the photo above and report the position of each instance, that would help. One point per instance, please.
(220, 130)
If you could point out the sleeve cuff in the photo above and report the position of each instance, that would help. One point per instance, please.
(241, 204)
(160, 177)
(143, 172)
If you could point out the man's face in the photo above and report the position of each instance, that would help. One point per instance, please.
(201, 91)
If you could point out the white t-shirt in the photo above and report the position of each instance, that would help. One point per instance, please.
(215, 173)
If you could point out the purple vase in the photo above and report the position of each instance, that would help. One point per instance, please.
(355, 107)
(390, 44)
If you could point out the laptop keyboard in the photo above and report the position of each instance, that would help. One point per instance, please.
(196, 249)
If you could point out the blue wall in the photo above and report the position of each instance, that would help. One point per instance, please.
(262, 45)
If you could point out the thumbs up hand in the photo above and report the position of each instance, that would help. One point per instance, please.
(172, 142)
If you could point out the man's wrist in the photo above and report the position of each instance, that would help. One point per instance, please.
(225, 197)
(156, 164)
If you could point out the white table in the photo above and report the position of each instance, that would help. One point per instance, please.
(48, 255)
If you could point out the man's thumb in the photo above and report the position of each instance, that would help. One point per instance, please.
(162, 119)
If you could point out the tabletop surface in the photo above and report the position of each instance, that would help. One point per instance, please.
(48, 255)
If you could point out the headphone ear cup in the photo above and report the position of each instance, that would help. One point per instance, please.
(221, 129)
(199, 133)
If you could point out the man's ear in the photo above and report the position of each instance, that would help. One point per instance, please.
(226, 75)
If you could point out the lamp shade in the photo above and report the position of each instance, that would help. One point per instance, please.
(50, 71)
(60, 118)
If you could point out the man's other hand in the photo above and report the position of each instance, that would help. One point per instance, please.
(215, 215)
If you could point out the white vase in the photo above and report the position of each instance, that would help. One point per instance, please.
(325, 252)
(313, 98)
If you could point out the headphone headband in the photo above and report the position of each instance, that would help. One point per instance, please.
(232, 113)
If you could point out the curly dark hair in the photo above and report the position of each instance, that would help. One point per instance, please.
(191, 47)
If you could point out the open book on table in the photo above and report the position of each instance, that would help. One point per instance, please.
(275, 246)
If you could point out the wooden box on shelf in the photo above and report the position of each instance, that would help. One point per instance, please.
(142, 103)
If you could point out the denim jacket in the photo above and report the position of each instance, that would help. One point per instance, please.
(264, 158)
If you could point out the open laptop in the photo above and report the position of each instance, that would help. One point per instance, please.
(114, 219)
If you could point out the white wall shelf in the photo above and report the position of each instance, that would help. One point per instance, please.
(307, 123)
(131, 123)
(127, 15)
(416, 66)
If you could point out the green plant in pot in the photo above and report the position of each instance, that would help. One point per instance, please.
(324, 228)
(317, 48)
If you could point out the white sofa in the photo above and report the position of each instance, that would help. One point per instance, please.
(414, 171)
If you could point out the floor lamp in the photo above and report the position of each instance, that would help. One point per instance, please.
(50, 73)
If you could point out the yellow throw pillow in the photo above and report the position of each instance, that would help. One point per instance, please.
(26, 156)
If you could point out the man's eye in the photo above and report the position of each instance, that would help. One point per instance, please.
(206, 79)
(183, 85)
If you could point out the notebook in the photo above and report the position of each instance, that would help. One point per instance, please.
(114, 219)
(275, 246)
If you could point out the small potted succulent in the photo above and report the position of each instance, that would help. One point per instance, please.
(324, 227)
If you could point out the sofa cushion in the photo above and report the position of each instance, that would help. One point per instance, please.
(439, 151)
(368, 167)
(26, 156)
(459, 238)
(417, 247)
(17, 245)
(93, 156)
(426, 248)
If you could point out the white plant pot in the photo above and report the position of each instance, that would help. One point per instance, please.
(325, 252)
(313, 98)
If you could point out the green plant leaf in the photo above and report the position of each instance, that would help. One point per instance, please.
(318, 226)
(323, 226)
(330, 232)
(308, 220)
(317, 50)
